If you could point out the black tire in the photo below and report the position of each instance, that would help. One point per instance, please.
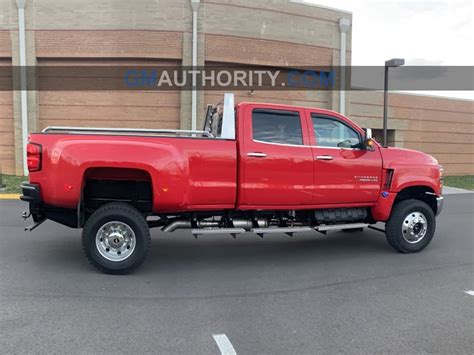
(128, 216)
(393, 227)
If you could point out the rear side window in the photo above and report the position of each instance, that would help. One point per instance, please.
(274, 126)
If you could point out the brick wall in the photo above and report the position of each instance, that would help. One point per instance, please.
(7, 142)
(110, 108)
(438, 126)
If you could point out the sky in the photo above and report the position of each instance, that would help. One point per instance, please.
(423, 32)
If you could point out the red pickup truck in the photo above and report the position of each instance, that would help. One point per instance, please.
(258, 168)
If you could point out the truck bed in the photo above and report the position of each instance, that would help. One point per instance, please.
(183, 171)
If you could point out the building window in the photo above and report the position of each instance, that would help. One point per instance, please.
(275, 126)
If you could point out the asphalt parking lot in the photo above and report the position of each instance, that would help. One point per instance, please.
(343, 292)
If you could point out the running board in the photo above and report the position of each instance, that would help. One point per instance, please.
(337, 227)
(288, 231)
(210, 231)
(258, 231)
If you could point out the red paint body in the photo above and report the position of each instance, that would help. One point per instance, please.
(194, 174)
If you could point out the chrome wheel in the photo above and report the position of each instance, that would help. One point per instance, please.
(414, 227)
(115, 241)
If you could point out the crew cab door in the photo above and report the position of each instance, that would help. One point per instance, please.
(344, 171)
(276, 160)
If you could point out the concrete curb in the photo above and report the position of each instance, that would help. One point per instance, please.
(10, 196)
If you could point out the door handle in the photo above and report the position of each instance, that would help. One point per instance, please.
(256, 155)
(324, 157)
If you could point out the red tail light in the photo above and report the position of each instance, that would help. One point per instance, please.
(33, 156)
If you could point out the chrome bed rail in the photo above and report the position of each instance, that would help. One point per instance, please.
(139, 131)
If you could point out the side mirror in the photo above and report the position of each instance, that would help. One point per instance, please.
(368, 143)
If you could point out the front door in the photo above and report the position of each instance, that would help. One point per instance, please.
(276, 160)
(344, 171)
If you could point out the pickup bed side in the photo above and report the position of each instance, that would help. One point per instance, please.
(184, 173)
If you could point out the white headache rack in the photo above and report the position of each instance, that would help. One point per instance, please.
(129, 131)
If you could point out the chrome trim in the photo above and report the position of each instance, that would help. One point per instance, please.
(333, 227)
(178, 224)
(324, 157)
(282, 144)
(414, 227)
(256, 155)
(303, 145)
(115, 241)
(99, 130)
(340, 148)
(218, 231)
(26, 187)
(439, 204)
(273, 230)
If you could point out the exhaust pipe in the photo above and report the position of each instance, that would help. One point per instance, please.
(184, 224)
(179, 224)
(242, 223)
(237, 223)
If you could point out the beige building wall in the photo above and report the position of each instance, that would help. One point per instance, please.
(438, 126)
(277, 34)
(7, 141)
(266, 33)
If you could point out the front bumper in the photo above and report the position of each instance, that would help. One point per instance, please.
(439, 204)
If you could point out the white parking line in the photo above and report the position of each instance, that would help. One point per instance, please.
(470, 293)
(224, 344)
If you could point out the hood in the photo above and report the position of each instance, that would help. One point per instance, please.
(399, 156)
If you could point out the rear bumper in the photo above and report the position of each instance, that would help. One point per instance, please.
(40, 211)
(31, 193)
(439, 202)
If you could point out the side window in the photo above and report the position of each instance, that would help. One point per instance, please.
(330, 132)
(275, 126)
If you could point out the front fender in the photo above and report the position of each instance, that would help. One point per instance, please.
(408, 175)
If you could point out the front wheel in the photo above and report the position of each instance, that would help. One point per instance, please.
(411, 226)
(116, 238)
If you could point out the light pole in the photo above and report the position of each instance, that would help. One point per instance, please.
(392, 63)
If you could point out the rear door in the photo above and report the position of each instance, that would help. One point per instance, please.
(276, 161)
(344, 172)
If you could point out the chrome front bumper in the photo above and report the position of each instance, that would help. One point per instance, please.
(439, 201)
